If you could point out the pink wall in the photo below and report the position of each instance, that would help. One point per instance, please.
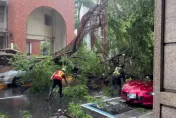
(19, 10)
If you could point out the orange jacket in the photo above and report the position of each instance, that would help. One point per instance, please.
(59, 75)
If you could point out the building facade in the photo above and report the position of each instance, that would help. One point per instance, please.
(3, 24)
(28, 22)
(165, 59)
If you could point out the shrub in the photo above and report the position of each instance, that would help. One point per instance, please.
(76, 110)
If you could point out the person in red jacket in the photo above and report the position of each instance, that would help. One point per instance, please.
(57, 80)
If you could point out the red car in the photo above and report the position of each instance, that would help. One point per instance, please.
(138, 91)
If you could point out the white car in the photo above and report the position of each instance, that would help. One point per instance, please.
(11, 77)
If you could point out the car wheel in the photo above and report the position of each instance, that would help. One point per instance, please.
(17, 81)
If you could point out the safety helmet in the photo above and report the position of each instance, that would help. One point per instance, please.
(63, 69)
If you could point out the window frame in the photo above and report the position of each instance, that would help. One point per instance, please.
(48, 20)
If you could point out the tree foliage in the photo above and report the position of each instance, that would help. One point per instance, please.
(130, 30)
(77, 111)
(37, 71)
(76, 92)
(86, 60)
(45, 48)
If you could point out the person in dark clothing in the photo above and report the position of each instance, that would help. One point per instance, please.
(57, 80)
(118, 78)
(75, 72)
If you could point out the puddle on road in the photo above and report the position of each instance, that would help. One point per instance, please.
(34, 103)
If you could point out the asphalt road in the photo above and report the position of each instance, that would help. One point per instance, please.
(14, 103)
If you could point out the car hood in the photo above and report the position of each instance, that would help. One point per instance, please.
(11, 72)
(136, 86)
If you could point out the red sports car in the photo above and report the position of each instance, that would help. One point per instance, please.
(138, 91)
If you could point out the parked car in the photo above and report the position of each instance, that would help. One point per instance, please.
(138, 91)
(11, 77)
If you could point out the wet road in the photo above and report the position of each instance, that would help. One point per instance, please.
(13, 103)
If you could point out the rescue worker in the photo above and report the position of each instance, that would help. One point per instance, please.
(117, 77)
(75, 72)
(57, 80)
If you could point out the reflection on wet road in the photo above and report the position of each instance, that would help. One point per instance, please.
(13, 103)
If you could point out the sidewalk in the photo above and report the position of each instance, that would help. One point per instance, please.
(148, 115)
(116, 108)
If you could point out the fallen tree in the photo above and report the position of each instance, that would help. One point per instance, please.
(94, 19)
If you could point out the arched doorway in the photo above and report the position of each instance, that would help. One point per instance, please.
(45, 24)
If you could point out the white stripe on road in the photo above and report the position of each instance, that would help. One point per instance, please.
(11, 97)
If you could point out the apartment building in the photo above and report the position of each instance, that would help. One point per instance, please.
(3, 24)
(25, 23)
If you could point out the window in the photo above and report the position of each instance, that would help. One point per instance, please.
(2, 13)
(28, 48)
(1, 43)
(47, 20)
